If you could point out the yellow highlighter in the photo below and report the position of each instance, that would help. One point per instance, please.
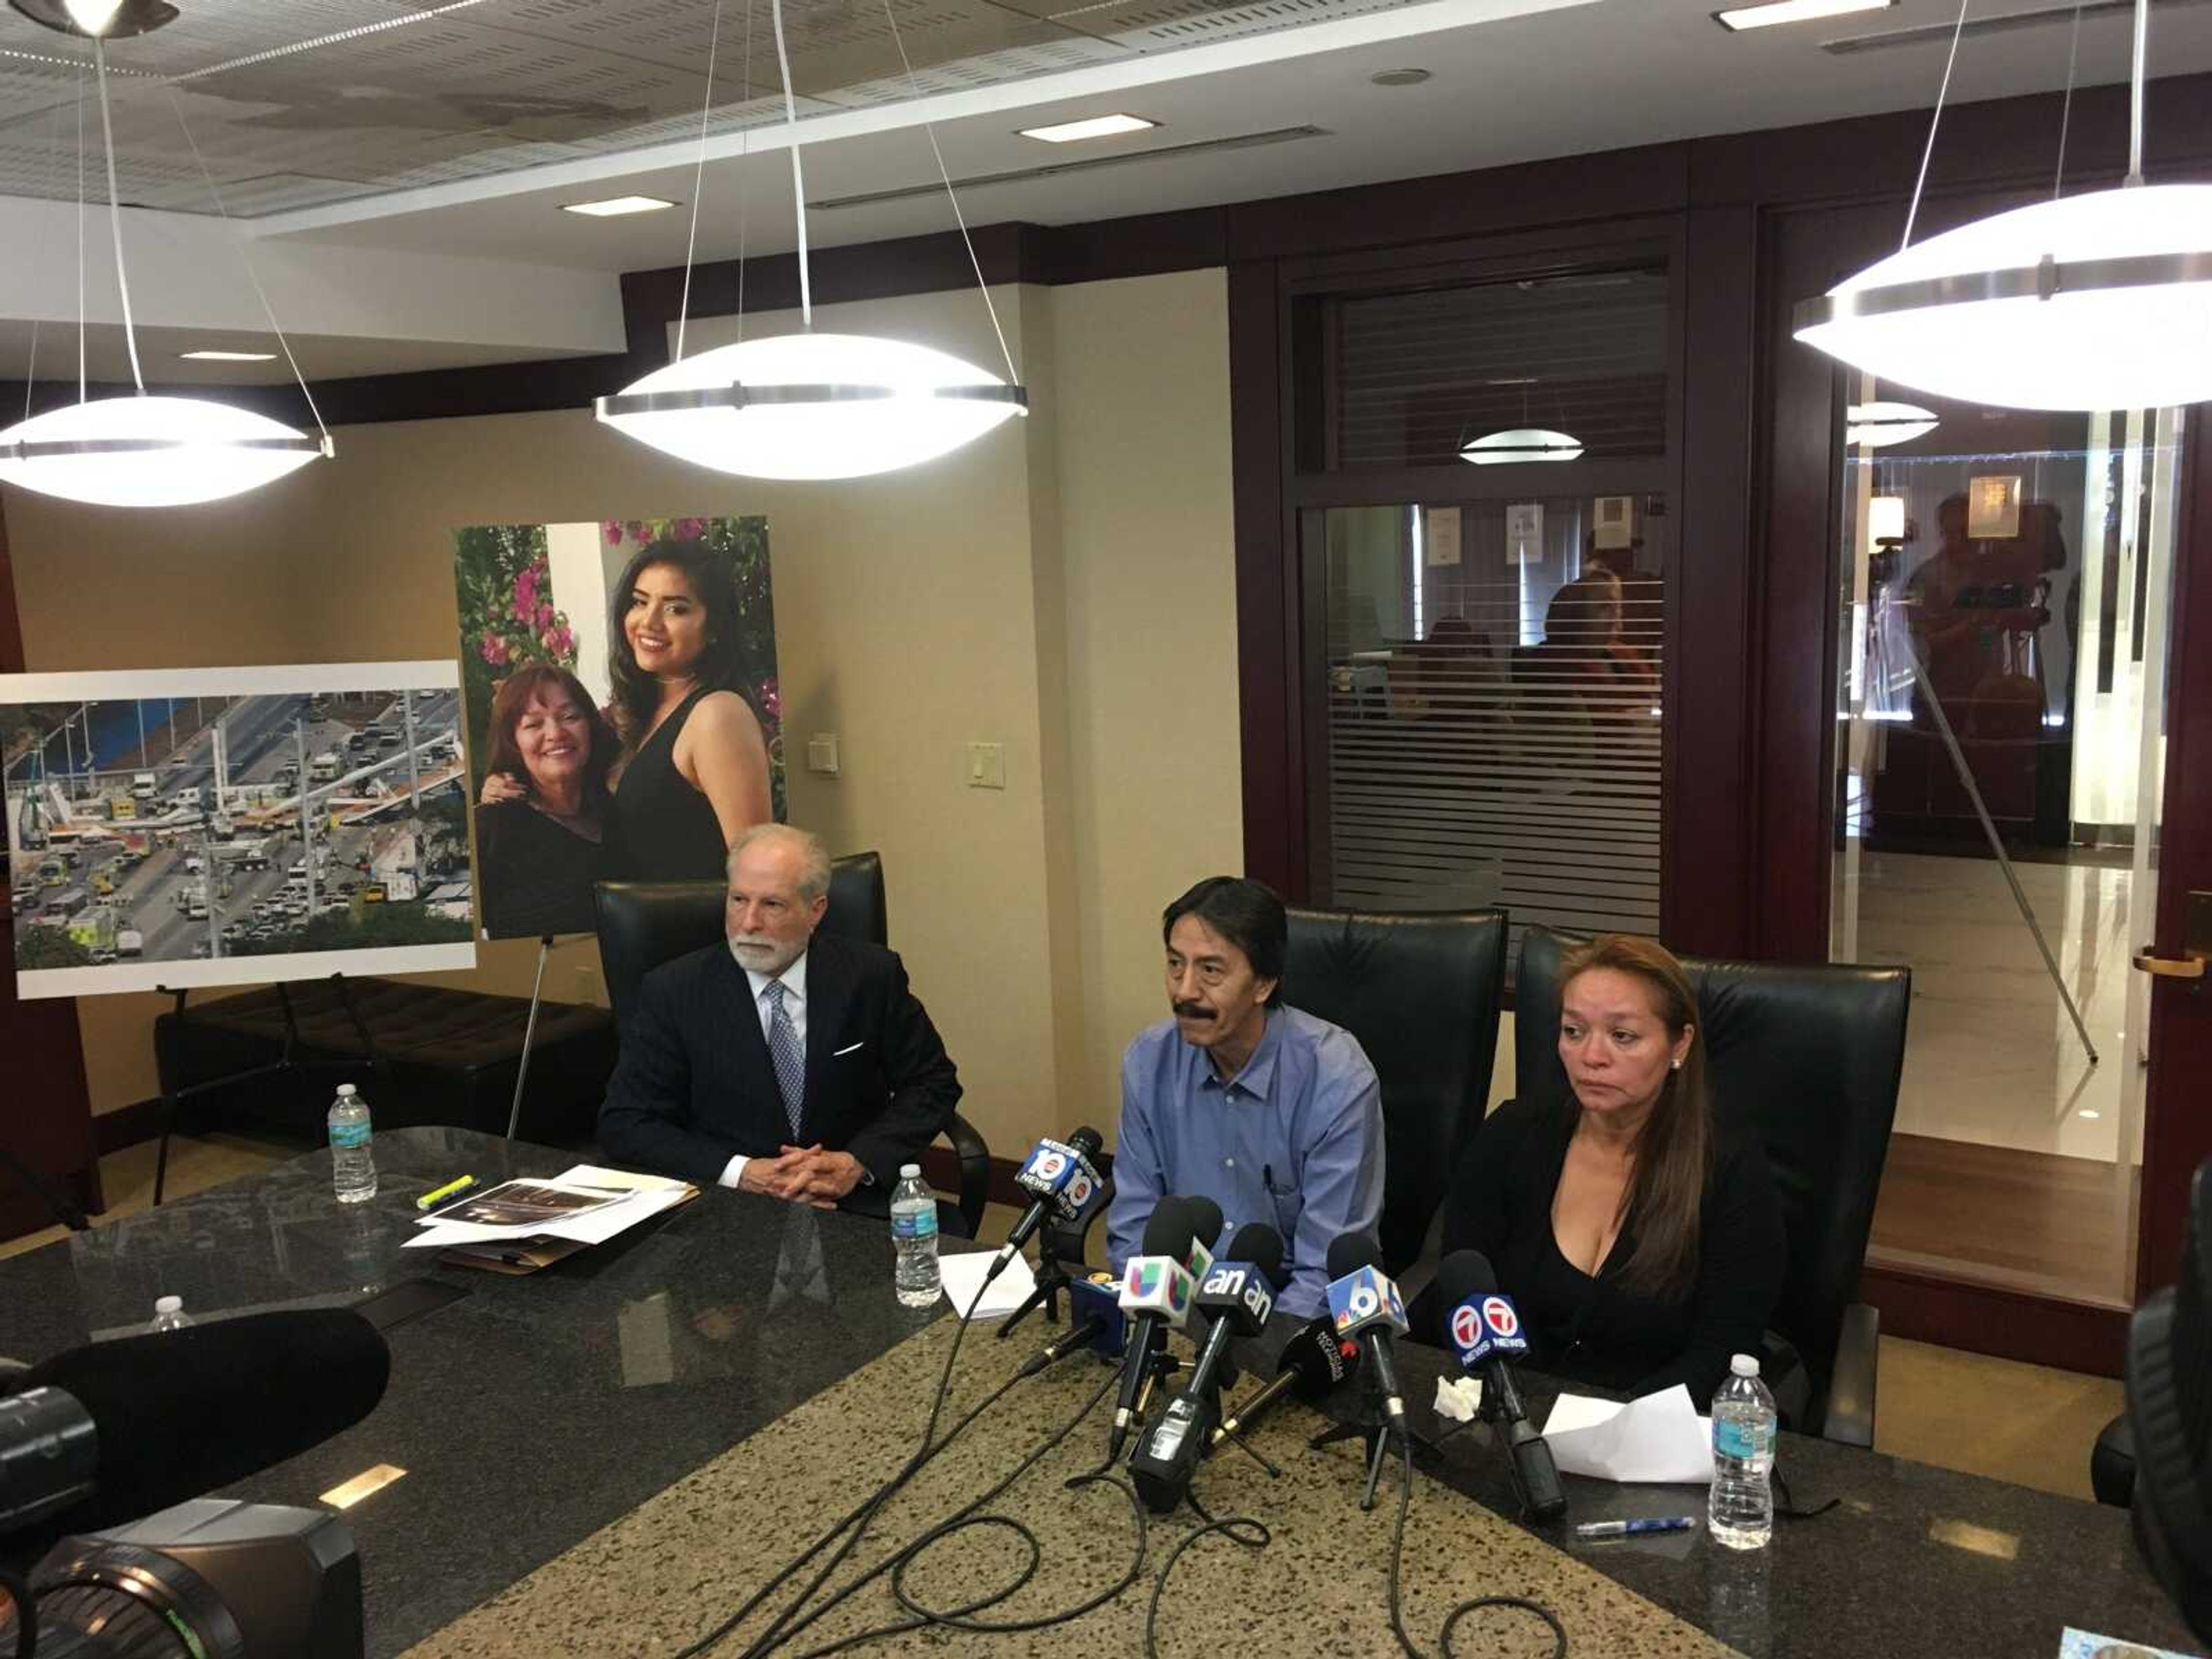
(445, 1192)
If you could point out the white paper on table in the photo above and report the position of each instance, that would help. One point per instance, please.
(650, 1195)
(1659, 1438)
(964, 1276)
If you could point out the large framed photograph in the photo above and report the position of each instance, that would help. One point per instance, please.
(623, 713)
(227, 826)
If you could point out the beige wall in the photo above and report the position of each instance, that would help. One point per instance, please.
(1064, 587)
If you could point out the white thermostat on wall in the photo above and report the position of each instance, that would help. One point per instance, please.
(822, 753)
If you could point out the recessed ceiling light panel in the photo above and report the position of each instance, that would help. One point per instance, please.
(1739, 18)
(1096, 126)
(615, 206)
(228, 356)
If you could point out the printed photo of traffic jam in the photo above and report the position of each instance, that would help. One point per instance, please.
(235, 826)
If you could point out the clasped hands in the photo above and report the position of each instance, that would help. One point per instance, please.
(803, 1174)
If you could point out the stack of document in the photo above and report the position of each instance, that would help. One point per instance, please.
(1659, 1438)
(519, 1226)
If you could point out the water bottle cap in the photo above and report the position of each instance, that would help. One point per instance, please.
(168, 1305)
(345, 1089)
(909, 1172)
(1743, 1364)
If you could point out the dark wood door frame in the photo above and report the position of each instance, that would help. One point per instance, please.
(48, 1119)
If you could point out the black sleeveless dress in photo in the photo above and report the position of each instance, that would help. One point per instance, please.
(664, 829)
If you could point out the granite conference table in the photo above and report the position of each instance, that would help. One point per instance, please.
(602, 1457)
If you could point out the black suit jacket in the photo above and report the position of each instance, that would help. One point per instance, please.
(694, 1084)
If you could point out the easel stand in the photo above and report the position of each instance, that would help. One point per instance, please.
(530, 1035)
(288, 1061)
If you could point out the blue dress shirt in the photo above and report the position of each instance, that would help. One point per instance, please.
(1294, 1140)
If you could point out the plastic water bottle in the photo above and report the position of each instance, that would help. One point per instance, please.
(916, 1276)
(353, 1163)
(1741, 1511)
(169, 1314)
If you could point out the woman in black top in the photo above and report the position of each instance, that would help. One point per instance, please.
(697, 770)
(1641, 1248)
(540, 853)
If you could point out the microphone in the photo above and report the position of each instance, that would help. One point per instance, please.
(1206, 1225)
(1065, 1184)
(1366, 1305)
(1156, 1292)
(116, 1431)
(1240, 1293)
(1486, 1331)
(1314, 1364)
(1091, 1299)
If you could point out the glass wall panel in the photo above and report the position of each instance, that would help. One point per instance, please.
(1493, 707)
(2002, 620)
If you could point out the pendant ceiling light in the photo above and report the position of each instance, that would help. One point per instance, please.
(808, 405)
(2101, 301)
(1878, 425)
(1521, 443)
(141, 450)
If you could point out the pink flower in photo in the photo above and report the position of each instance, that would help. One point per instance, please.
(612, 530)
(494, 650)
(771, 696)
(544, 616)
(562, 642)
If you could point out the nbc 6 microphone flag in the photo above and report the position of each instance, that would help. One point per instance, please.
(1365, 1298)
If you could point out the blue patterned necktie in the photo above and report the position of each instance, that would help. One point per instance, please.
(784, 1053)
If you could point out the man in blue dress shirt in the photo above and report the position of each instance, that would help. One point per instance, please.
(1274, 1114)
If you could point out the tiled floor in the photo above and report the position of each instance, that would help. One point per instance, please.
(1961, 1411)
(1993, 1057)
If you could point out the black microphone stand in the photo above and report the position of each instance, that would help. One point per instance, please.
(1051, 1280)
(1371, 1426)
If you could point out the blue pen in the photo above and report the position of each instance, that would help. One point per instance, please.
(1633, 1529)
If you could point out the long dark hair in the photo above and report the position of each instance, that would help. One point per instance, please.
(1674, 1149)
(513, 696)
(636, 693)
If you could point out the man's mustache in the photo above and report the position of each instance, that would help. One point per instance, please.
(1191, 1010)
(752, 942)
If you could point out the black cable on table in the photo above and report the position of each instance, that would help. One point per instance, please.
(895, 1562)
(1473, 1604)
(856, 1518)
(1227, 1528)
(27, 1618)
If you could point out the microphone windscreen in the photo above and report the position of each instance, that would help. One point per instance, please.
(1463, 1274)
(1349, 1252)
(1168, 1228)
(1087, 1141)
(1257, 1243)
(1318, 1357)
(1204, 1220)
(179, 1413)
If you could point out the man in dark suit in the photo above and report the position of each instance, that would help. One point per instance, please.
(782, 1063)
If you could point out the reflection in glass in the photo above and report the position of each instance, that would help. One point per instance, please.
(1493, 709)
(2001, 624)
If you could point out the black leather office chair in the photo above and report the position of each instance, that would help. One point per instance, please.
(643, 924)
(1811, 1055)
(2169, 1368)
(1420, 992)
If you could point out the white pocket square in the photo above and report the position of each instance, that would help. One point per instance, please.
(838, 1054)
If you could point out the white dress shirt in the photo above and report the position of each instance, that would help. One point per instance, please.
(793, 980)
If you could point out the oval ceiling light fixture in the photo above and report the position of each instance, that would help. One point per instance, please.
(145, 450)
(2101, 300)
(151, 452)
(1878, 425)
(1521, 443)
(814, 406)
(99, 20)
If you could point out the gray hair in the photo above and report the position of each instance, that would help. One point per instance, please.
(814, 872)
